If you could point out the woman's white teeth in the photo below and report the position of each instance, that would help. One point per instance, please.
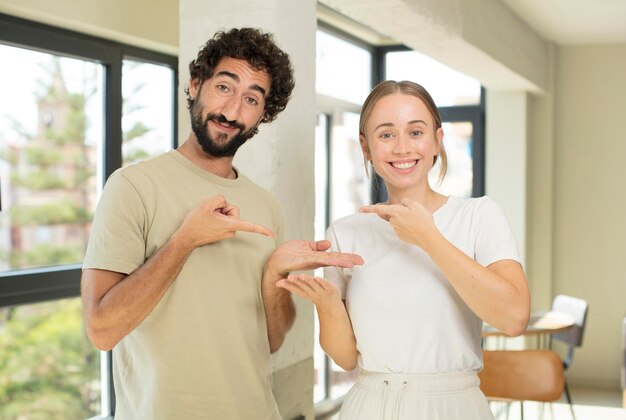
(403, 165)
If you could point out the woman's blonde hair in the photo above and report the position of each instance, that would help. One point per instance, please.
(390, 87)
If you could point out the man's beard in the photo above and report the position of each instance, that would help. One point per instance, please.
(222, 147)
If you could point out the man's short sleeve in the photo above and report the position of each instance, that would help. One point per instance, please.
(117, 240)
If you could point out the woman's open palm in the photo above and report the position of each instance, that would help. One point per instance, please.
(314, 289)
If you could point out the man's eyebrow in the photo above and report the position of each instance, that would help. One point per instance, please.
(258, 88)
(228, 74)
(236, 79)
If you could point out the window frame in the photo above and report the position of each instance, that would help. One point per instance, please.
(27, 286)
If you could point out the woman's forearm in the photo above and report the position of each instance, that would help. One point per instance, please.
(337, 337)
(498, 294)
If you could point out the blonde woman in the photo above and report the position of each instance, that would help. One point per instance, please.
(435, 268)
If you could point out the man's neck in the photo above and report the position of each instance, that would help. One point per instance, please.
(220, 166)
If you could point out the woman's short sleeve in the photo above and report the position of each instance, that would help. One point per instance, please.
(494, 237)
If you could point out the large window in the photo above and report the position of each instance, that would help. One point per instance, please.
(73, 109)
(343, 80)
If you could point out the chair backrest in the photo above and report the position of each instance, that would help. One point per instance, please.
(577, 308)
(524, 375)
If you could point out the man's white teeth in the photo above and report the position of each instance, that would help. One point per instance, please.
(403, 165)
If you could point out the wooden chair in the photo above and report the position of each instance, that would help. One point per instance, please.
(573, 337)
(522, 375)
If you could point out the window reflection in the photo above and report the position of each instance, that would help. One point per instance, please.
(349, 184)
(50, 134)
(448, 87)
(342, 69)
(48, 368)
(147, 91)
(457, 141)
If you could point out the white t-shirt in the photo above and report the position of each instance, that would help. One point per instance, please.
(407, 317)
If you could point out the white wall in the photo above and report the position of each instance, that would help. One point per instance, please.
(505, 157)
(590, 200)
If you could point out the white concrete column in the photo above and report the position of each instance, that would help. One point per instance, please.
(505, 158)
(280, 158)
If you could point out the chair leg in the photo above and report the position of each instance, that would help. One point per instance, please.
(521, 409)
(569, 400)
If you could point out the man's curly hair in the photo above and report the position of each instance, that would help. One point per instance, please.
(261, 53)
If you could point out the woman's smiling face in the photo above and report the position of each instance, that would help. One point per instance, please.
(402, 141)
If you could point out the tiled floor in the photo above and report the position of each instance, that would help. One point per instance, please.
(589, 404)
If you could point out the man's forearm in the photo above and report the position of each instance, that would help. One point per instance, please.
(125, 305)
(280, 310)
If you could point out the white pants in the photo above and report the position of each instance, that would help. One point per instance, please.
(447, 396)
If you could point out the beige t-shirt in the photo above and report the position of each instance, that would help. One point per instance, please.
(203, 352)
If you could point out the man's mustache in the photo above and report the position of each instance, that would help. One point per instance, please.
(219, 118)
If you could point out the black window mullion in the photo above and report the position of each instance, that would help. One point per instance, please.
(39, 285)
(113, 116)
(478, 149)
(147, 56)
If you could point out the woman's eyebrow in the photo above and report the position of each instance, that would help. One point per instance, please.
(383, 125)
(410, 122)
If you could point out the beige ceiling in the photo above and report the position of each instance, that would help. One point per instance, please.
(574, 22)
(564, 22)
